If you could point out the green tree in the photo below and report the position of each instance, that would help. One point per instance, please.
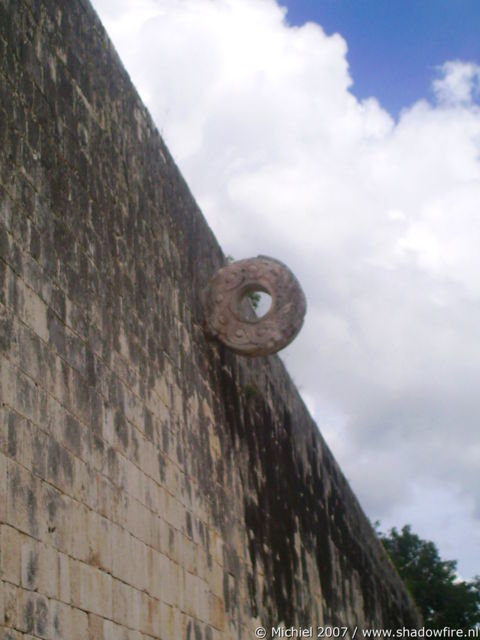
(443, 599)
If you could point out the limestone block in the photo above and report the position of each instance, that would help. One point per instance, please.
(60, 466)
(134, 409)
(22, 499)
(121, 542)
(85, 483)
(196, 597)
(3, 486)
(187, 555)
(216, 612)
(172, 586)
(215, 579)
(79, 625)
(139, 572)
(157, 568)
(34, 311)
(2, 604)
(162, 538)
(4, 420)
(8, 377)
(64, 578)
(95, 627)
(30, 563)
(48, 571)
(154, 497)
(10, 554)
(174, 512)
(10, 605)
(108, 427)
(27, 444)
(217, 547)
(110, 503)
(55, 517)
(123, 596)
(113, 631)
(63, 625)
(99, 541)
(78, 545)
(179, 623)
(151, 621)
(148, 463)
(33, 615)
(91, 589)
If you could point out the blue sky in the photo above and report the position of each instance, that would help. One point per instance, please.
(395, 46)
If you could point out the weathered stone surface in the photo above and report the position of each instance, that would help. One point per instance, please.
(229, 319)
(153, 483)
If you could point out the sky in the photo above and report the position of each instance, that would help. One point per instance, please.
(395, 45)
(346, 143)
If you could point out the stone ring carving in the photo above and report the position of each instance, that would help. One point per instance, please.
(232, 320)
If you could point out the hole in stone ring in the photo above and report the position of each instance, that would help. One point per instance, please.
(254, 303)
(261, 302)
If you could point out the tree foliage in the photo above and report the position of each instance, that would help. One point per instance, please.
(443, 599)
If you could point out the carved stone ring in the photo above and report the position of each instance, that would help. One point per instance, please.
(233, 321)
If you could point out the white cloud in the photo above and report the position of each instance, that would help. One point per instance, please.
(459, 83)
(378, 219)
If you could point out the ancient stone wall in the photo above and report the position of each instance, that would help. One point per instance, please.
(153, 484)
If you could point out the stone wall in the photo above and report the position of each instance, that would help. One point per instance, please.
(153, 484)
